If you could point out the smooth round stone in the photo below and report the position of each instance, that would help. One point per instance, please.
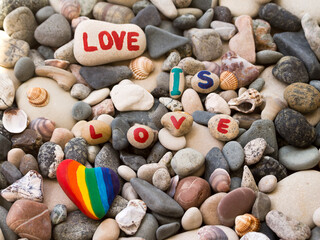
(81, 111)
(209, 209)
(24, 69)
(107, 230)
(191, 101)
(302, 97)
(235, 203)
(205, 82)
(96, 132)
(268, 57)
(170, 142)
(97, 96)
(223, 127)
(58, 214)
(267, 184)
(44, 13)
(167, 230)
(28, 162)
(233, 153)
(146, 171)
(15, 156)
(257, 84)
(192, 192)
(187, 161)
(299, 132)
(126, 173)
(140, 136)
(191, 219)
(161, 179)
(80, 91)
(128, 192)
(254, 150)
(177, 123)
(222, 13)
(297, 159)
(184, 22)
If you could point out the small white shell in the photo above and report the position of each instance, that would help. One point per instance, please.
(15, 120)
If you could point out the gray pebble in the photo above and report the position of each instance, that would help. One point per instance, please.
(140, 5)
(235, 183)
(171, 61)
(317, 141)
(268, 57)
(119, 203)
(148, 228)
(316, 84)
(167, 230)
(206, 19)
(257, 84)
(80, 91)
(119, 128)
(44, 13)
(156, 153)
(168, 26)
(108, 157)
(5, 147)
(131, 160)
(76, 149)
(202, 117)
(214, 159)
(81, 111)
(184, 22)
(3, 181)
(201, 4)
(10, 172)
(315, 233)
(234, 154)
(58, 214)
(24, 69)
(6, 231)
(223, 14)
(46, 52)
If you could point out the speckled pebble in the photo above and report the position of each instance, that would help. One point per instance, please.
(267, 184)
(254, 150)
(161, 179)
(58, 214)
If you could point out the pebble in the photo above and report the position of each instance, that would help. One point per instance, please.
(220, 180)
(80, 91)
(171, 61)
(192, 192)
(76, 149)
(234, 154)
(61, 136)
(66, 53)
(202, 117)
(213, 160)
(156, 200)
(257, 84)
(269, 57)
(119, 128)
(161, 179)
(167, 8)
(191, 66)
(286, 227)
(214, 103)
(126, 172)
(177, 123)
(206, 44)
(248, 180)
(223, 127)
(157, 36)
(226, 30)
(140, 136)
(29, 141)
(254, 236)
(28, 162)
(132, 160)
(209, 207)
(118, 204)
(185, 22)
(140, 5)
(170, 142)
(261, 206)
(280, 18)
(206, 19)
(316, 217)
(45, 52)
(187, 161)
(58, 214)
(191, 101)
(148, 228)
(81, 111)
(222, 13)
(44, 13)
(176, 82)
(6, 231)
(96, 132)
(10, 172)
(267, 184)
(167, 230)
(182, 3)
(311, 30)
(262, 35)
(97, 96)
(210, 85)
(107, 230)
(243, 42)
(15, 156)
(147, 16)
(24, 69)
(254, 150)
(128, 192)
(193, 11)
(192, 219)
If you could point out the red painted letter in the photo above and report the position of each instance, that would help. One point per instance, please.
(131, 40)
(222, 125)
(85, 44)
(136, 135)
(93, 133)
(101, 41)
(118, 40)
(176, 123)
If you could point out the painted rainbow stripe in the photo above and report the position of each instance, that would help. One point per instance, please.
(92, 190)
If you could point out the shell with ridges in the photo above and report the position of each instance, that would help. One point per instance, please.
(112, 13)
(141, 67)
(247, 101)
(70, 9)
(220, 180)
(43, 126)
(228, 81)
(38, 97)
(15, 120)
(246, 223)
(211, 232)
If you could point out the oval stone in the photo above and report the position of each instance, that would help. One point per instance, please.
(235, 203)
(176, 83)
(177, 123)
(96, 132)
(140, 136)
(205, 82)
(223, 127)
(98, 42)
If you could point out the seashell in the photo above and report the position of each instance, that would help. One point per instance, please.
(112, 13)
(272, 107)
(70, 9)
(228, 81)
(43, 126)
(247, 101)
(173, 186)
(220, 180)
(7, 90)
(75, 22)
(38, 97)
(255, 236)
(63, 64)
(172, 104)
(141, 67)
(211, 232)
(15, 120)
(246, 223)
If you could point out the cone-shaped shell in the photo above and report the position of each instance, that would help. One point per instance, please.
(112, 13)
(228, 81)
(141, 67)
(70, 9)
(220, 180)
(246, 223)
(15, 120)
(247, 101)
(211, 232)
(44, 127)
(38, 97)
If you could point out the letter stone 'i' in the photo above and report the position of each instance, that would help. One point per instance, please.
(177, 82)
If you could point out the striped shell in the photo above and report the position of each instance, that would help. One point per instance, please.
(220, 180)
(211, 232)
(228, 81)
(38, 97)
(247, 101)
(141, 67)
(246, 223)
(112, 13)
(43, 126)
(70, 9)
(15, 120)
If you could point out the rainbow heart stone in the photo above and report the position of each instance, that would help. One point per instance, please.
(91, 189)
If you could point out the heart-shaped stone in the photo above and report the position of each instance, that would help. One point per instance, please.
(91, 189)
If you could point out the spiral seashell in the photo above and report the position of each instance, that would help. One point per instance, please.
(220, 180)
(70, 9)
(141, 67)
(43, 126)
(228, 81)
(15, 120)
(38, 97)
(211, 232)
(247, 101)
(112, 13)
(246, 223)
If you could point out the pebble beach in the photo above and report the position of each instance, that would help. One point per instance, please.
(160, 120)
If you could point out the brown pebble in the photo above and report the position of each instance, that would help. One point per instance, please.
(15, 155)
(28, 162)
(61, 136)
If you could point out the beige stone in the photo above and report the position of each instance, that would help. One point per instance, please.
(166, 7)
(88, 50)
(247, 7)
(223, 127)
(205, 82)
(191, 101)
(191, 219)
(126, 173)
(209, 209)
(171, 142)
(216, 104)
(15, 156)
(141, 136)
(146, 171)
(61, 136)
(177, 123)
(107, 230)
(96, 132)
(77, 128)
(97, 96)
